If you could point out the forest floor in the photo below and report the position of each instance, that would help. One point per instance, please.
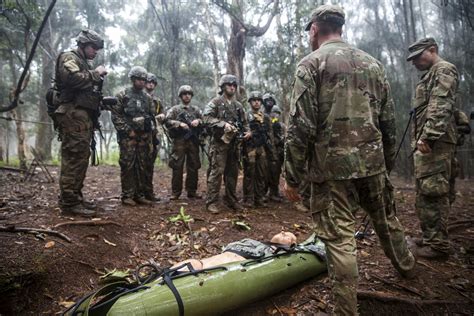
(43, 274)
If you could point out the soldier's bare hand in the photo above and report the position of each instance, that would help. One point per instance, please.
(291, 193)
(227, 128)
(247, 135)
(423, 147)
(101, 70)
(184, 125)
(132, 134)
(195, 123)
(160, 118)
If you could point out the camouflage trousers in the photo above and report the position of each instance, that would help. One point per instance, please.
(76, 131)
(149, 193)
(224, 163)
(135, 156)
(333, 205)
(274, 169)
(184, 151)
(255, 168)
(434, 192)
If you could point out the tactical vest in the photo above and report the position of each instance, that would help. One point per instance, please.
(88, 98)
(259, 131)
(137, 110)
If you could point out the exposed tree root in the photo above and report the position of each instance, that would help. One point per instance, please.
(34, 231)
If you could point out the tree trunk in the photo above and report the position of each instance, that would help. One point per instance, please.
(45, 134)
(213, 47)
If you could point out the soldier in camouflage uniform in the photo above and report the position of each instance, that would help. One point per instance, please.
(226, 119)
(279, 131)
(256, 150)
(342, 118)
(184, 123)
(150, 86)
(463, 128)
(76, 118)
(133, 117)
(272, 184)
(434, 140)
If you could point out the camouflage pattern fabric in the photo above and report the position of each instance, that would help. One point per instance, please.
(224, 156)
(342, 131)
(75, 81)
(255, 159)
(275, 167)
(434, 102)
(333, 204)
(183, 150)
(133, 119)
(76, 131)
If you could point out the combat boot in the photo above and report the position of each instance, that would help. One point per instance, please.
(89, 205)
(129, 202)
(276, 198)
(194, 195)
(246, 203)
(429, 253)
(260, 204)
(212, 208)
(77, 210)
(143, 201)
(234, 206)
(174, 197)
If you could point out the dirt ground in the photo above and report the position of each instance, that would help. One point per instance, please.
(43, 274)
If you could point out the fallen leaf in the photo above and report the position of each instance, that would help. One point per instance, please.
(66, 304)
(49, 244)
(109, 243)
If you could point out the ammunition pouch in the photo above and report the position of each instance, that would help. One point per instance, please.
(109, 101)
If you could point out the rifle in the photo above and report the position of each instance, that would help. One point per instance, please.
(105, 104)
(193, 133)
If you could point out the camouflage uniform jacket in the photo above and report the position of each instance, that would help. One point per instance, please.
(341, 116)
(176, 115)
(279, 130)
(159, 108)
(76, 81)
(133, 111)
(262, 132)
(434, 104)
(220, 111)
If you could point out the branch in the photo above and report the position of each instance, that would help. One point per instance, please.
(34, 231)
(250, 29)
(87, 223)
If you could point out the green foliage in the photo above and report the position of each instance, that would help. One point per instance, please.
(182, 216)
(241, 225)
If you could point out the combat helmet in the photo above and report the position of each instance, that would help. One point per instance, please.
(255, 95)
(268, 96)
(276, 109)
(185, 88)
(230, 79)
(151, 78)
(138, 72)
(90, 37)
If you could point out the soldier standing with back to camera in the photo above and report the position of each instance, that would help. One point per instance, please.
(184, 123)
(342, 119)
(77, 117)
(256, 150)
(226, 118)
(133, 117)
(434, 139)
